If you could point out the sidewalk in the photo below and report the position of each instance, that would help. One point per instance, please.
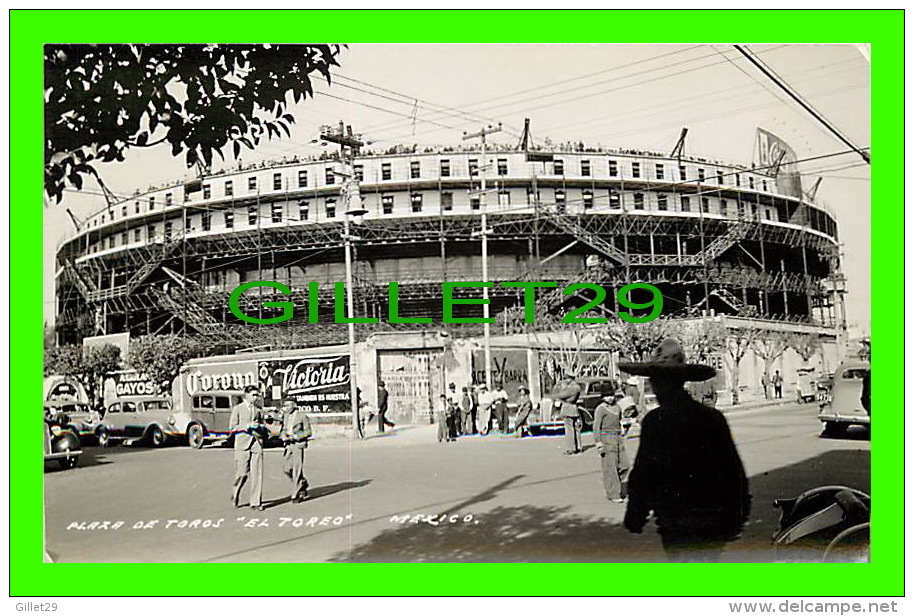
(753, 405)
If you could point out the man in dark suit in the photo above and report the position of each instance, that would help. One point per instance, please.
(687, 470)
(246, 424)
(296, 430)
(383, 394)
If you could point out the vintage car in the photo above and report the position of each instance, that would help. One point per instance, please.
(61, 444)
(844, 406)
(807, 385)
(73, 414)
(151, 420)
(210, 413)
(592, 392)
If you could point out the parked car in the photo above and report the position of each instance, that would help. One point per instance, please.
(152, 420)
(592, 391)
(844, 407)
(74, 415)
(210, 414)
(61, 443)
(807, 385)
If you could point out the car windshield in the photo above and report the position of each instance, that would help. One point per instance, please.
(157, 405)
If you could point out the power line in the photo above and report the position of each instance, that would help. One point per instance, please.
(796, 97)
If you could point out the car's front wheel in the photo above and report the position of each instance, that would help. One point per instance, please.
(833, 428)
(103, 436)
(156, 436)
(195, 436)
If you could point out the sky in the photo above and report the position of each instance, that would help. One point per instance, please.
(620, 96)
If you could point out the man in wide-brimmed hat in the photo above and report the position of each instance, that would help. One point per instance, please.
(687, 470)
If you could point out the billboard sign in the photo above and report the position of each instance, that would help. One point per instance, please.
(773, 150)
(317, 384)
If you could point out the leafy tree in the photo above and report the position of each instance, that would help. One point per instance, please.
(806, 345)
(88, 365)
(769, 348)
(636, 341)
(739, 341)
(101, 100)
(160, 357)
(701, 338)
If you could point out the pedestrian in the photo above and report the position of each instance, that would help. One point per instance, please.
(474, 408)
(765, 385)
(453, 400)
(607, 434)
(500, 407)
(484, 412)
(567, 393)
(441, 413)
(466, 411)
(246, 424)
(777, 383)
(524, 407)
(296, 431)
(687, 470)
(382, 407)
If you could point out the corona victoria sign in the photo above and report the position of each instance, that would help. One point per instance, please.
(317, 384)
(222, 377)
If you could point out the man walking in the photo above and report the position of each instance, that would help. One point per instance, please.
(776, 382)
(296, 430)
(566, 394)
(382, 407)
(246, 424)
(607, 434)
(687, 470)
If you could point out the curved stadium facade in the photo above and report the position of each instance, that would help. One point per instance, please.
(711, 236)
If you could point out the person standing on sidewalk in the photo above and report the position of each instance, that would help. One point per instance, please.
(687, 470)
(500, 407)
(441, 418)
(466, 412)
(484, 414)
(607, 434)
(777, 383)
(567, 393)
(383, 395)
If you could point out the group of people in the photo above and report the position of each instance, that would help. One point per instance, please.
(476, 410)
(777, 384)
(249, 431)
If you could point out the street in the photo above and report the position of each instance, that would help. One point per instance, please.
(402, 497)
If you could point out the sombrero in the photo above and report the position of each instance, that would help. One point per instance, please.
(668, 361)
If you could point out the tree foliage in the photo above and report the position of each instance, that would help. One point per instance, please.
(88, 365)
(770, 347)
(160, 357)
(101, 100)
(739, 341)
(636, 341)
(806, 345)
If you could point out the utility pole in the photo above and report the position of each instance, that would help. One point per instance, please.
(350, 192)
(488, 130)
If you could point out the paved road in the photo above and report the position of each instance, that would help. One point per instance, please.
(404, 497)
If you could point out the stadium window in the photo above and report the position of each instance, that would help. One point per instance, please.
(767, 214)
(502, 166)
(636, 170)
(504, 198)
(330, 208)
(705, 205)
(206, 221)
(387, 204)
(613, 169)
(103, 219)
(588, 199)
(659, 172)
(682, 173)
(124, 239)
(445, 168)
(684, 204)
(167, 231)
(188, 224)
(661, 203)
(720, 176)
(229, 219)
(559, 196)
(303, 178)
(303, 209)
(329, 177)
(252, 183)
(447, 201)
(415, 171)
(615, 202)
(150, 233)
(206, 194)
(111, 241)
(277, 181)
(136, 207)
(276, 212)
(385, 171)
(559, 167)
(358, 172)
(737, 179)
(585, 167)
(639, 201)
(229, 190)
(473, 166)
(740, 209)
(152, 203)
(252, 215)
(168, 200)
(751, 182)
(415, 201)
(532, 196)
(474, 203)
(765, 185)
(701, 175)
(123, 211)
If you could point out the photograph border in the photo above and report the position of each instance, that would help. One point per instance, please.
(882, 29)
